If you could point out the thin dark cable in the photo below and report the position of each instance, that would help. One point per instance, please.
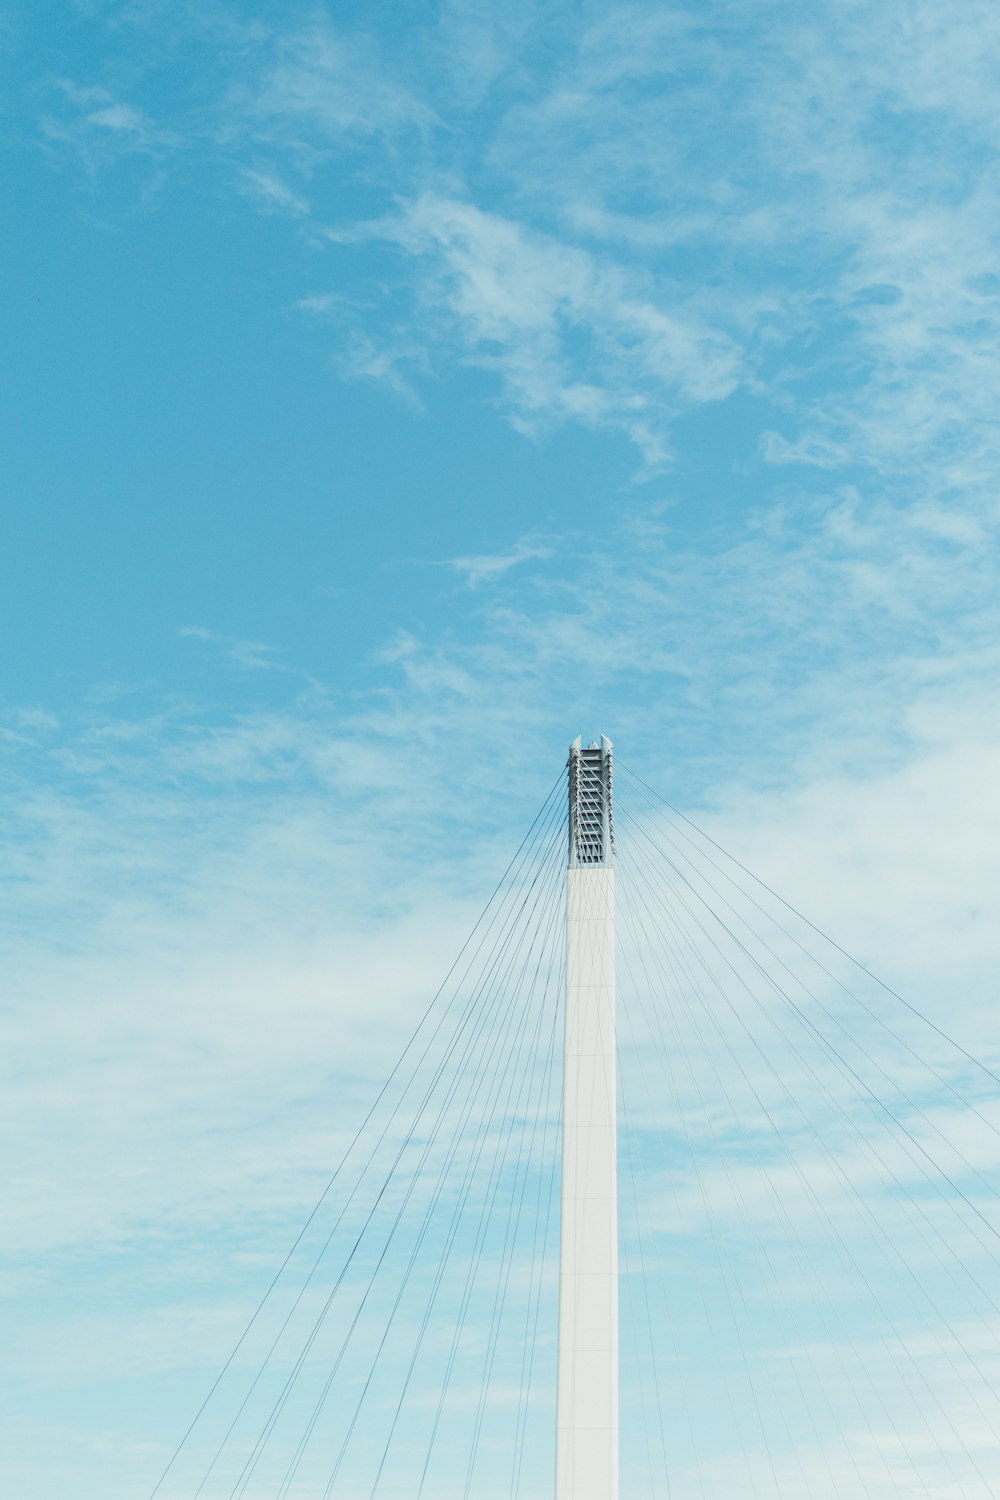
(549, 947)
(507, 1254)
(495, 960)
(678, 991)
(630, 979)
(513, 918)
(510, 1070)
(818, 930)
(806, 1184)
(499, 947)
(845, 1070)
(645, 1295)
(505, 1006)
(736, 1328)
(870, 1099)
(468, 1289)
(769, 916)
(531, 1320)
(455, 1224)
(844, 1067)
(380, 1095)
(867, 1145)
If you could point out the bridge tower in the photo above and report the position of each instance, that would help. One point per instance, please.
(587, 1384)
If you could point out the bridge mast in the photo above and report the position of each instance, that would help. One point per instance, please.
(587, 1388)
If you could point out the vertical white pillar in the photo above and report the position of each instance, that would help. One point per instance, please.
(587, 1389)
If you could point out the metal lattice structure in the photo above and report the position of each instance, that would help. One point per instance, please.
(591, 825)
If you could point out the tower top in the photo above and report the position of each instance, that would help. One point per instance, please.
(591, 821)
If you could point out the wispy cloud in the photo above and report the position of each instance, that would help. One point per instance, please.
(250, 656)
(271, 193)
(102, 129)
(844, 271)
(489, 566)
(319, 87)
(571, 339)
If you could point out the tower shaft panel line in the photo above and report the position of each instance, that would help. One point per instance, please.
(587, 1383)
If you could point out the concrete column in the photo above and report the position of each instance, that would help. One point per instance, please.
(587, 1390)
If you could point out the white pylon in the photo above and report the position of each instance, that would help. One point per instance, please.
(587, 1385)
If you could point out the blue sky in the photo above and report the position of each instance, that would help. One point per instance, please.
(392, 394)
